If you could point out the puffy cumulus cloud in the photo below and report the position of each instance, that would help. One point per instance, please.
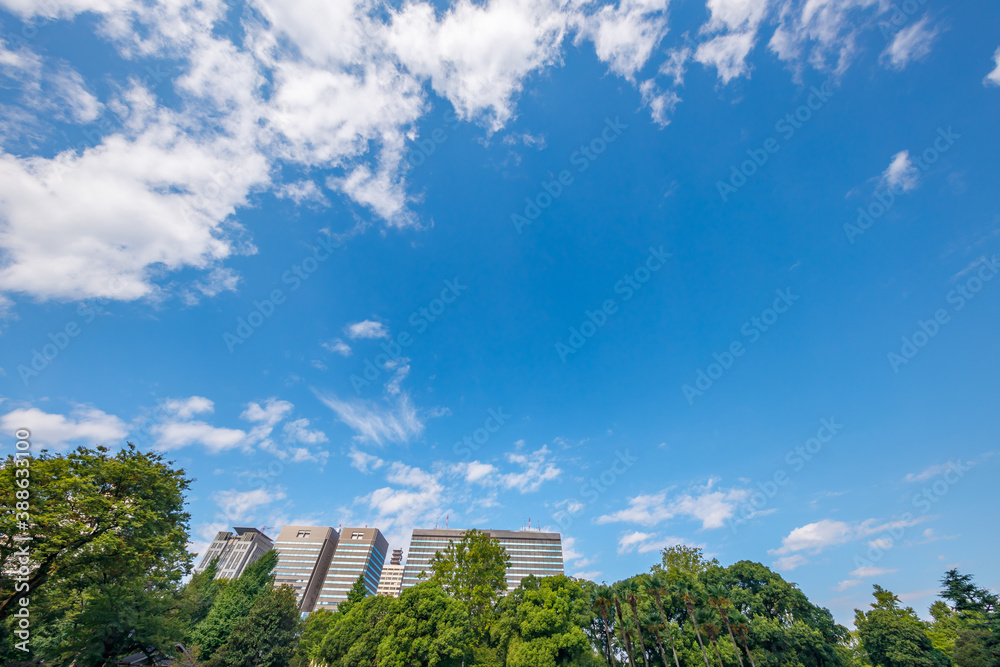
(813, 538)
(706, 504)
(179, 433)
(338, 346)
(84, 425)
(364, 461)
(415, 497)
(727, 53)
(625, 35)
(366, 329)
(478, 55)
(911, 43)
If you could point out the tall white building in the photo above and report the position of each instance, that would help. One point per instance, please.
(391, 581)
(235, 552)
(359, 552)
(304, 554)
(530, 551)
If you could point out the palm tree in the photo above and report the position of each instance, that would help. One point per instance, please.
(742, 627)
(658, 588)
(603, 605)
(655, 629)
(711, 631)
(689, 594)
(633, 602)
(718, 597)
(621, 623)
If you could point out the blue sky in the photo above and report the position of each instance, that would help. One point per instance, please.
(719, 274)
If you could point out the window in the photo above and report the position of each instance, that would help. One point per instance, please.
(357, 536)
(303, 533)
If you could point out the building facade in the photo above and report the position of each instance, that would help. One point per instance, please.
(391, 581)
(304, 555)
(530, 551)
(235, 551)
(359, 552)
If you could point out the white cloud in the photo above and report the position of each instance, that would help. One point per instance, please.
(84, 425)
(661, 103)
(590, 575)
(338, 346)
(364, 461)
(418, 497)
(821, 33)
(789, 563)
(901, 173)
(238, 506)
(377, 422)
(701, 503)
(727, 53)
(645, 542)
(869, 571)
(175, 434)
(299, 431)
(537, 470)
(185, 408)
(993, 78)
(815, 537)
(911, 43)
(932, 471)
(272, 412)
(847, 583)
(476, 471)
(370, 329)
(302, 192)
(625, 36)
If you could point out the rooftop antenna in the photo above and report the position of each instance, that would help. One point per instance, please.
(446, 517)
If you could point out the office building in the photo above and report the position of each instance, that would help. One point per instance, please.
(530, 551)
(359, 552)
(235, 552)
(391, 581)
(304, 554)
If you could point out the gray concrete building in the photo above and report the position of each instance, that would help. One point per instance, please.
(530, 551)
(235, 551)
(391, 581)
(359, 552)
(304, 554)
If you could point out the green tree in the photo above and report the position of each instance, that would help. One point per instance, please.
(265, 637)
(427, 628)
(86, 507)
(893, 636)
(314, 628)
(107, 536)
(682, 562)
(542, 624)
(473, 571)
(233, 604)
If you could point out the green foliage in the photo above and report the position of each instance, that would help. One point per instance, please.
(542, 623)
(428, 629)
(233, 604)
(88, 508)
(108, 540)
(682, 562)
(893, 636)
(314, 629)
(265, 637)
(473, 571)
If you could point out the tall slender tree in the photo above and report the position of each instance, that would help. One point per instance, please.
(718, 597)
(658, 588)
(603, 605)
(624, 628)
(633, 602)
(689, 594)
(743, 629)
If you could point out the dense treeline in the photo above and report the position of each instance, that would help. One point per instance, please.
(108, 537)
